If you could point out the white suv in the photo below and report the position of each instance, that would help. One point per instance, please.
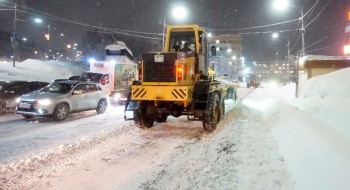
(62, 97)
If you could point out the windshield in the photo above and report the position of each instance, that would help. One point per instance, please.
(58, 88)
(182, 41)
(92, 76)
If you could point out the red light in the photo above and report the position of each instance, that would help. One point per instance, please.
(179, 72)
(103, 81)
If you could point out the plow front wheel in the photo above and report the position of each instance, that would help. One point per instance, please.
(212, 114)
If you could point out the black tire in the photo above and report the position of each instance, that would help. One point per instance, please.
(101, 106)
(28, 116)
(211, 115)
(221, 110)
(60, 112)
(141, 118)
(162, 119)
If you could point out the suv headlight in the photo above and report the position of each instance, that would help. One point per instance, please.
(18, 99)
(44, 102)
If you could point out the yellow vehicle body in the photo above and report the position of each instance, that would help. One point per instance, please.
(178, 81)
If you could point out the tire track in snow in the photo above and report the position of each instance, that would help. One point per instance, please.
(39, 167)
(243, 155)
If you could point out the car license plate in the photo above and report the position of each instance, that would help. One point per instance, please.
(24, 105)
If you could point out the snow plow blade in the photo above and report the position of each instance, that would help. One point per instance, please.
(130, 106)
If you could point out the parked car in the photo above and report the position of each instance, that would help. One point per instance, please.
(74, 78)
(10, 90)
(70, 78)
(62, 97)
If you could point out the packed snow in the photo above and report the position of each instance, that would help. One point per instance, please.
(267, 140)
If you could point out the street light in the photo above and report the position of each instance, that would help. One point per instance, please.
(276, 35)
(179, 13)
(47, 36)
(300, 9)
(283, 5)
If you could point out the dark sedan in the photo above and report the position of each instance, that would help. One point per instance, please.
(10, 90)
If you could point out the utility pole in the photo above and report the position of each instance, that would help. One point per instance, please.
(163, 34)
(297, 76)
(48, 41)
(302, 31)
(14, 36)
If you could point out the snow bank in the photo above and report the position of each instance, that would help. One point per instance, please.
(31, 69)
(327, 97)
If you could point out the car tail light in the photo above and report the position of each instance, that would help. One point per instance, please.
(103, 81)
(179, 72)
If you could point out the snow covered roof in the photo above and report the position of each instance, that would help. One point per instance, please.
(118, 46)
(322, 61)
(323, 57)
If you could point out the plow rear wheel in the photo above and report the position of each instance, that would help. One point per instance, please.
(141, 118)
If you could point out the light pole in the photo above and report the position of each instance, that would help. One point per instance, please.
(47, 36)
(283, 5)
(14, 36)
(276, 35)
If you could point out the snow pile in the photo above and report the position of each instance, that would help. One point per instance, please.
(327, 97)
(31, 69)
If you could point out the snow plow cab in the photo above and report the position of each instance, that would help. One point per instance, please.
(177, 82)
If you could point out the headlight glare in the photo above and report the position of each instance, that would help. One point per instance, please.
(44, 102)
(117, 95)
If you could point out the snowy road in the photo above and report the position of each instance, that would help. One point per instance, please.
(177, 154)
(256, 146)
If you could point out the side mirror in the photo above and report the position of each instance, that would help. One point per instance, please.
(213, 50)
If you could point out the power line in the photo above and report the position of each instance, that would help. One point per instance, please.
(83, 24)
(325, 47)
(263, 26)
(318, 14)
(124, 34)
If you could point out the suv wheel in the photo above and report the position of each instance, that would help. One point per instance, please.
(60, 112)
(101, 107)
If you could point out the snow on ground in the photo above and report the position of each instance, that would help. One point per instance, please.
(267, 140)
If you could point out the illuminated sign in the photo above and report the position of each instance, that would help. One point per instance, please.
(347, 49)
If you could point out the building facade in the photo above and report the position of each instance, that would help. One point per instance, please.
(347, 35)
(228, 59)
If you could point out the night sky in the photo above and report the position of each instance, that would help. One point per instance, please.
(325, 34)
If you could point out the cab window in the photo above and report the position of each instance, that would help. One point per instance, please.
(179, 41)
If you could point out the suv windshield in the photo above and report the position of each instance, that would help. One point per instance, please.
(56, 87)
